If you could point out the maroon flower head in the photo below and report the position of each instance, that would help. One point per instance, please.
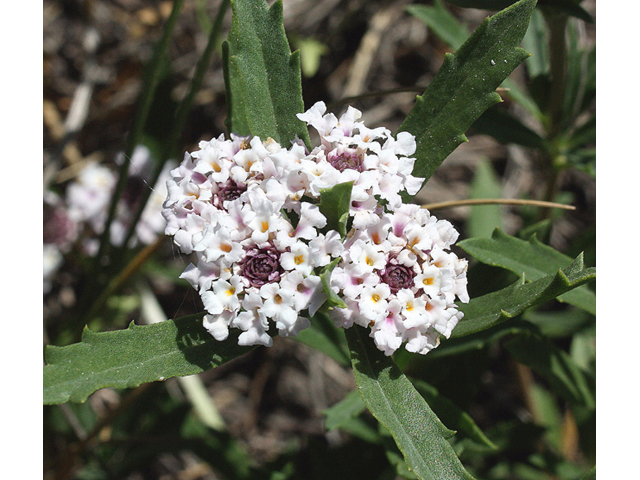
(229, 191)
(397, 277)
(261, 265)
(347, 160)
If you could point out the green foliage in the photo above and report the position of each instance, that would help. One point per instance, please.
(128, 358)
(400, 421)
(494, 308)
(392, 399)
(334, 204)
(569, 7)
(484, 218)
(441, 21)
(264, 91)
(531, 258)
(465, 85)
(565, 377)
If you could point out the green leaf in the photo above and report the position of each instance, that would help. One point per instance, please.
(442, 22)
(393, 400)
(452, 415)
(483, 4)
(568, 7)
(580, 82)
(564, 376)
(496, 307)
(536, 41)
(334, 204)
(506, 128)
(454, 33)
(311, 52)
(484, 218)
(590, 475)
(465, 85)
(532, 258)
(559, 323)
(342, 412)
(333, 299)
(133, 356)
(262, 76)
(325, 337)
(478, 340)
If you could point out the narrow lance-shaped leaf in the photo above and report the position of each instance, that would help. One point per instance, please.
(262, 76)
(496, 307)
(133, 356)
(441, 21)
(452, 415)
(568, 7)
(564, 376)
(532, 258)
(352, 405)
(392, 399)
(334, 205)
(465, 85)
(325, 337)
(499, 124)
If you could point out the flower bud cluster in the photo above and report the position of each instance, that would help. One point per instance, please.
(247, 210)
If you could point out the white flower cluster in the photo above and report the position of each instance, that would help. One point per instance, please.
(230, 203)
(398, 278)
(247, 209)
(80, 213)
(379, 164)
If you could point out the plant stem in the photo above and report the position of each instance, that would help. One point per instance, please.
(142, 112)
(95, 278)
(495, 201)
(557, 24)
(132, 267)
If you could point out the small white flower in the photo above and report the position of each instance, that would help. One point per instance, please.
(218, 243)
(252, 322)
(421, 342)
(413, 308)
(430, 280)
(307, 291)
(218, 325)
(298, 259)
(387, 331)
(324, 248)
(371, 257)
(397, 283)
(352, 279)
(373, 301)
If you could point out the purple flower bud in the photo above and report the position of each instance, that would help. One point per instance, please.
(397, 277)
(347, 160)
(261, 265)
(228, 192)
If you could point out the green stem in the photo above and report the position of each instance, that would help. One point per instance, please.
(142, 112)
(557, 24)
(152, 76)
